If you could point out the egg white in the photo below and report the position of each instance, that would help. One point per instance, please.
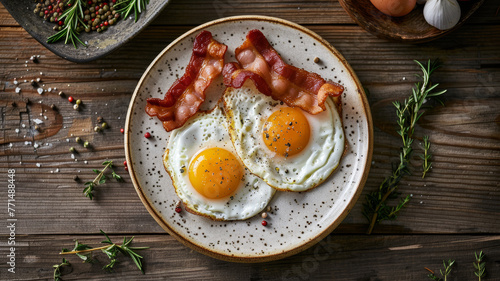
(247, 110)
(206, 130)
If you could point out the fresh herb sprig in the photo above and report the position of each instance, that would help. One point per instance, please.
(426, 157)
(447, 265)
(100, 179)
(375, 208)
(125, 7)
(111, 250)
(57, 269)
(479, 265)
(72, 16)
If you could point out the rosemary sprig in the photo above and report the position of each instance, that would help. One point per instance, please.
(447, 270)
(479, 265)
(100, 179)
(111, 250)
(57, 269)
(375, 208)
(71, 17)
(426, 156)
(125, 7)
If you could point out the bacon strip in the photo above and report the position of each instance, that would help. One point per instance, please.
(186, 95)
(272, 76)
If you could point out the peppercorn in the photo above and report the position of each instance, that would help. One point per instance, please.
(78, 139)
(264, 215)
(53, 106)
(71, 149)
(264, 223)
(99, 119)
(61, 94)
(78, 102)
(122, 130)
(76, 178)
(37, 127)
(147, 135)
(70, 99)
(316, 60)
(86, 144)
(97, 129)
(104, 125)
(34, 84)
(76, 107)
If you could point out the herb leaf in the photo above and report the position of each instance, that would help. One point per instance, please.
(375, 207)
(100, 179)
(57, 269)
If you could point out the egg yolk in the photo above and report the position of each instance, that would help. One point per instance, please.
(286, 131)
(215, 173)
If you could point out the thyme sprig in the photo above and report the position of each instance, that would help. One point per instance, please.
(125, 7)
(111, 250)
(375, 208)
(426, 157)
(72, 16)
(479, 265)
(57, 269)
(447, 265)
(100, 179)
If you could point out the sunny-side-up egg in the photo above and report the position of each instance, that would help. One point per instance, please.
(287, 147)
(207, 174)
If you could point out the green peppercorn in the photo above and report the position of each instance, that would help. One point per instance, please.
(71, 149)
(78, 139)
(99, 30)
(78, 101)
(101, 11)
(87, 17)
(97, 129)
(92, 9)
(104, 28)
(55, 14)
(87, 29)
(86, 144)
(111, 22)
(104, 125)
(105, 8)
(36, 11)
(41, 14)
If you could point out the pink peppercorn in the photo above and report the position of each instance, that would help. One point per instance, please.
(147, 135)
(264, 223)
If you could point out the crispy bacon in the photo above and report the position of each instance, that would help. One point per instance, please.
(272, 76)
(186, 95)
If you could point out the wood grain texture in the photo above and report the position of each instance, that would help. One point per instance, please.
(469, 73)
(453, 213)
(337, 257)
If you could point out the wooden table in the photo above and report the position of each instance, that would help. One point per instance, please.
(454, 212)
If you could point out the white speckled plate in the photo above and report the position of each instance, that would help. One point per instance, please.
(298, 220)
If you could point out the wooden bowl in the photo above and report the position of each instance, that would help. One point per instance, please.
(411, 28)
(98, 44)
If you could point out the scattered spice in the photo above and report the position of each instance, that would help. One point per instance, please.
(76, 107)
(61, 94)
(122, 130)
(264, 215)
(86, 144)
(104, 125)
(99, 119)
(97, 129)
(70, 98)
(264, 223)
(78, 139)
(78, 102)
(178, 208)
(147, 135)
(71, 149)
(316, 59)
(76, 178)
(53, 106)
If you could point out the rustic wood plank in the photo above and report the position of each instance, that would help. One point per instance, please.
(339, 257)
(195, 12)
(460, 194)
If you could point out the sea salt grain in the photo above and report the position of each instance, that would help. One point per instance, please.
(40, 91)
(38, 165)
(18, 90)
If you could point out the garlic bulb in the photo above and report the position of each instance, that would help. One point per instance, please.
(442, 14)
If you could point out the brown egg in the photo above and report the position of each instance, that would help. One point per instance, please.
(394, 8)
